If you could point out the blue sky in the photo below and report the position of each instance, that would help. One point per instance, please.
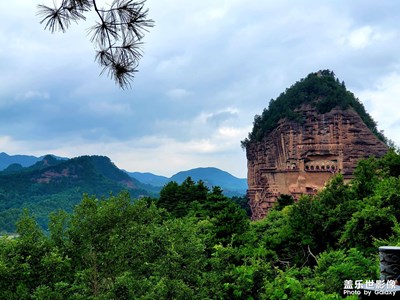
(208, 68)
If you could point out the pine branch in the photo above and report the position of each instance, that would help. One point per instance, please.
(117, 35)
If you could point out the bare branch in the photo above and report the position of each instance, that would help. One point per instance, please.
(309, 251)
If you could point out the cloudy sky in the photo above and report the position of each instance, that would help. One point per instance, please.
(208, 67)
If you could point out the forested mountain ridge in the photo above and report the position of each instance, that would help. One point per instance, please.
(322, 91)
(231, 185)
(53, 184)
(75, 170)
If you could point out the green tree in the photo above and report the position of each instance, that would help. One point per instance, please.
(179, 199)
(132, 249)
(28, 261)
(391, 162)
(387, 195)
(243, 202)
(367, 174)
(283, 200)
(335, 205)
(366, 225)
(230, 221)
(335, 266)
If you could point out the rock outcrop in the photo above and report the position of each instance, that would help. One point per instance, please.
(298, 158)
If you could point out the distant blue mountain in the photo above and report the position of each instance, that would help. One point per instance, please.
(214, 177)
(149, 178)
(23, 160)
(231, 185)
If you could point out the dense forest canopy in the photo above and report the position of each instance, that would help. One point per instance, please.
(194, 243)
(321, 90)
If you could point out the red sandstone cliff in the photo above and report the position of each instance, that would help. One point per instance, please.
(299, 158)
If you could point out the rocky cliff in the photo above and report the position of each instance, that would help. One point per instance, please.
(299, 156)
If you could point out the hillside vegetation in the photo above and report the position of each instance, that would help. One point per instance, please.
(52, 184)
(194, 243)
(321, 90)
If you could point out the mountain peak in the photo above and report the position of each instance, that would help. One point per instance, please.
(52, 184)
(313, 130)
(212, 176)
(49, 160)
(321, 91)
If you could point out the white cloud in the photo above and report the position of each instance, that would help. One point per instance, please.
(33, 95)
(220, 117)
(172, 64)
(233, 133)
(365, 36)
(106, 108)
(9, 145)
(381, 101)
(361, 37)
(178, 93)
(208, 68)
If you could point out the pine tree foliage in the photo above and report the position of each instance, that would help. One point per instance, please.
(117, 34)
(321, 90)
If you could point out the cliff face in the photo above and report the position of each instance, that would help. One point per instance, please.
(299, 158)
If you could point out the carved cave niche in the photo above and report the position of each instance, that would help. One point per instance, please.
(311, 190)
(291, 164)
(320, 165)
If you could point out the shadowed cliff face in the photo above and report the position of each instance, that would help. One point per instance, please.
(300, 157)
